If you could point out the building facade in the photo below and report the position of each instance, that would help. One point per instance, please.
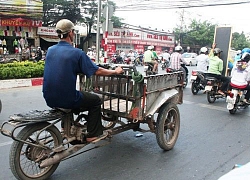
(138, 40)
(19, 20)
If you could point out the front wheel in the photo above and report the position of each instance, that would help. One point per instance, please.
(168, 126)
(25, 159)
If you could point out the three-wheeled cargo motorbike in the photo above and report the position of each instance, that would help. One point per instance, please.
(128, 100)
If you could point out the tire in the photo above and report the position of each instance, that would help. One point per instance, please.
(210, 97)
(167, 126)
(22, 156)
(233, 111)
(194, 88)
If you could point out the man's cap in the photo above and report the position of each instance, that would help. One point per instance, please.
(64, 26)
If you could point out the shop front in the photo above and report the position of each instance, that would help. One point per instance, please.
(17, 33)
(47, 36)
(127, 39)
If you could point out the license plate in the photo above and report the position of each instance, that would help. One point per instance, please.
(208, 88)
(230, 100)
(193, 78)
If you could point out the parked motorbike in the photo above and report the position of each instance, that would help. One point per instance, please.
(211, 89)
(198, 81)
(235, 100)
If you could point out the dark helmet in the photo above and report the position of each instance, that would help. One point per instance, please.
(217, 50)
(245, 57)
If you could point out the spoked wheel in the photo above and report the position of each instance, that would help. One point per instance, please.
(211, 97)
(168, 126)
(25, 159)
(108, 121)
(194, 88)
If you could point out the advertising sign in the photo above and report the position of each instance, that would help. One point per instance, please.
(21, 8)
(20, 22)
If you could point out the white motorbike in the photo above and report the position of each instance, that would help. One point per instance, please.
(235, 100)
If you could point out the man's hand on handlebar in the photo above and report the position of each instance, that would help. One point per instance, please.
(119, 70)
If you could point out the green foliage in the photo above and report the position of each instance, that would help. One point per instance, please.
(200, 34)
(197, 33)
(24, 69)
(239, 41)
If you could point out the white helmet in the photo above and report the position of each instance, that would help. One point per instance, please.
(178, 48)
(239, 52)
(203, 49)
(149, 47)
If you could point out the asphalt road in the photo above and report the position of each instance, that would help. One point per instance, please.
(210, 142)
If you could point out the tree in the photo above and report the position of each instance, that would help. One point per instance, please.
(196, 33)
(239, 41)
(78, 11)
(54, 10)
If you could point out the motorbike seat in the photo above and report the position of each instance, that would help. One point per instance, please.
(75, 111)
(233, 86)
(209, 78)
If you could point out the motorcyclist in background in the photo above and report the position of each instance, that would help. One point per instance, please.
(202, 60)
(176, 60)
(237, 57)
(154, 53)
(216, 67)
(166, 57)
(148, 57)
(241, 76)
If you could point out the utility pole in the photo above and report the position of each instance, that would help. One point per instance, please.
(181, 27)
(98, 31)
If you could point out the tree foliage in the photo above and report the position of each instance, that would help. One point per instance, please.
(239, 41)
(201, 33)
(54, 10)
(196, 33)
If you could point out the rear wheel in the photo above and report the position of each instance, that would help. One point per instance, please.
(25, 158)
(168, 126)
(233, 111)
(211, 97)
(194, 88)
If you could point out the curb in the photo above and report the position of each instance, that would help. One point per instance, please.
(15, 83)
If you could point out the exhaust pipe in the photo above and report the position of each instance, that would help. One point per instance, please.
(59, 156)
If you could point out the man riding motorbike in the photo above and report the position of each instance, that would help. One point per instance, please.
(176, 61)
(148, 57)
(216, 67)
(241, 76)
(63, 63)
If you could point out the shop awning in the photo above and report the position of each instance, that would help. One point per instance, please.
(50, 39)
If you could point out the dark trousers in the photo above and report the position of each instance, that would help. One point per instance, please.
(225, 81)
(92, 103)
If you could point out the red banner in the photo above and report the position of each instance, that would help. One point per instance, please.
(20, 22)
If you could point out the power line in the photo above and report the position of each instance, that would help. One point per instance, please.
(177, 4)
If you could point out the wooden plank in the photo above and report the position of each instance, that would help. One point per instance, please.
(222, 38)
(114, 105)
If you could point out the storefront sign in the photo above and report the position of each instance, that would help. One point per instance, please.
(46, 31)
(20, 22)
(141, 42)
(127, 35)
